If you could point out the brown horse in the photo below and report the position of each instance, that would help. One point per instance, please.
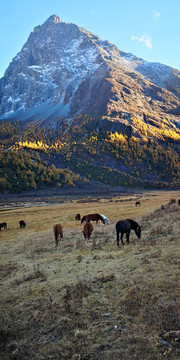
(138, 203)
(58, 233)
(88, 229)
(3, 225)
(78, 217)
(92, 217)
(125, 227)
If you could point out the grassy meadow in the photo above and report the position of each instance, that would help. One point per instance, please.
(91, 300)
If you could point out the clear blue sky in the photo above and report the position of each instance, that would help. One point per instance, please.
(149, 29)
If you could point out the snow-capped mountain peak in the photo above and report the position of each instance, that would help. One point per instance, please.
(64, 70)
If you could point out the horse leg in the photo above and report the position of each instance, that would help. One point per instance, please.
(127, 236)
(117, 238)
(56, 244)
(122, 238)
(56, 239)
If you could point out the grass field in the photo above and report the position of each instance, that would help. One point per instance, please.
(91, 300)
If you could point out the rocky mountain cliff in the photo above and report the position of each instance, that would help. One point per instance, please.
(64, 70)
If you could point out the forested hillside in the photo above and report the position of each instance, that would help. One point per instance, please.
(35, 157)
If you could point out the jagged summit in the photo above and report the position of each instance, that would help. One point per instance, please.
(64, 70)
(54, 19)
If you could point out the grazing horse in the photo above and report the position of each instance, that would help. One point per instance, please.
(58, 233)
(22, 224)
(78, 217)
(92, 217)
(138, 203)
(125, 227)
(105, 219)
(88, 229)
(3, 225)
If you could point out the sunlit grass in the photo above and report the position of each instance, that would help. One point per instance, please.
(91, 299)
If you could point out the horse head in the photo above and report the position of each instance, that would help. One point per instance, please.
(83, 219)
(138, 231)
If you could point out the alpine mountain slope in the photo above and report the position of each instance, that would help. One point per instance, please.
(105, 114)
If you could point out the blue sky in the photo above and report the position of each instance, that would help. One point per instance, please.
(149, 29)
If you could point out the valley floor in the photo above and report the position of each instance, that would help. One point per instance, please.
(91, 300)
(93, 190)
(89, 191)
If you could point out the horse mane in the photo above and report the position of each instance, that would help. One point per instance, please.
(101, 217)
(133, 223)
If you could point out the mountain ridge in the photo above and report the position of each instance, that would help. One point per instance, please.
(74, 106)
(64, 70)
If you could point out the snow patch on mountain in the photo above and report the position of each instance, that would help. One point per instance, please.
(60, 68)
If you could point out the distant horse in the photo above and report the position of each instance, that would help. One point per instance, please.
(58, 233)
(88, 229)
(78, 217)
(172, 201)
(92, 217)
(3, 225)
(179, 202)
(22, 224)
(138, 203)
(106, 219)
(125, 227)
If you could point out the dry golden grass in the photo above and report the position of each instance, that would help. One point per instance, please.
(91, 300)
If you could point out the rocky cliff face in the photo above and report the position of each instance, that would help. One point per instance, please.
(64, 70)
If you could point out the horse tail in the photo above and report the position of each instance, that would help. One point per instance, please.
(56, 232)
(89, 231)
(88, 228)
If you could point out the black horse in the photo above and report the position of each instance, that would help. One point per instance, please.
(22, 224)
(125, 227)
(3, 225)
(138, 203)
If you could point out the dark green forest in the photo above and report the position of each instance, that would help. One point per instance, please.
(33, 157)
